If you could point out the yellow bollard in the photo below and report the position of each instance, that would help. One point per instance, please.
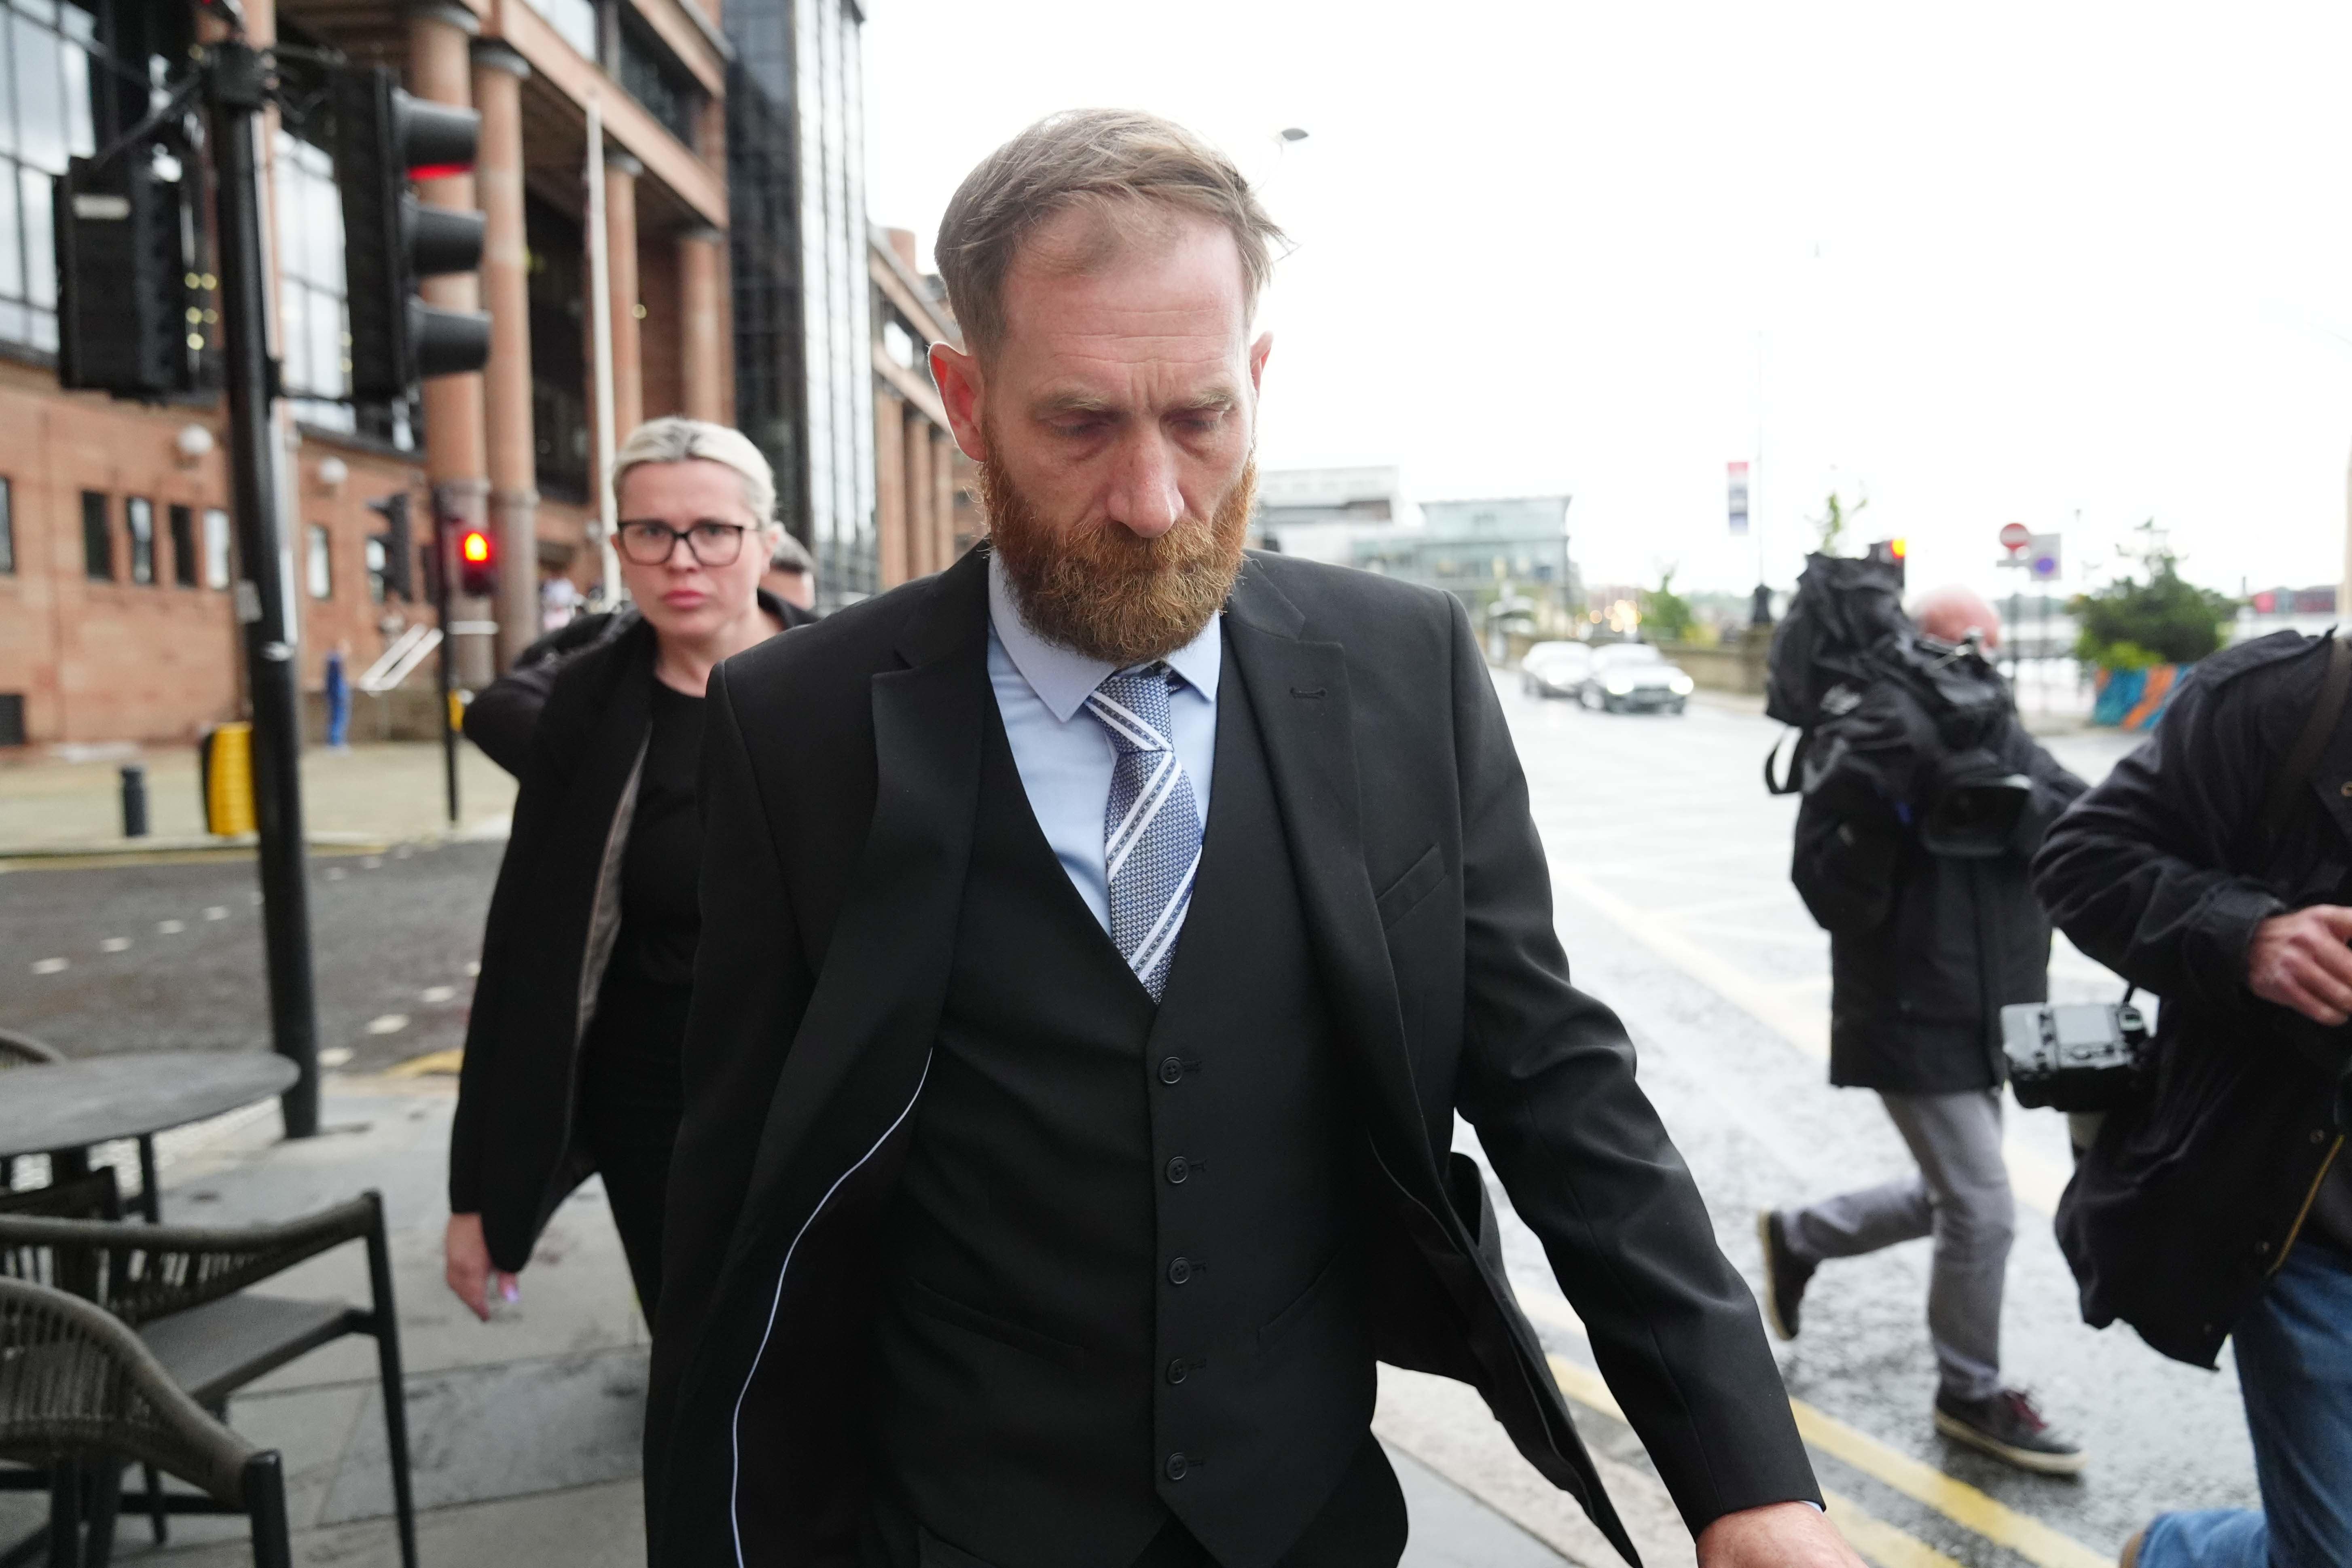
(224, 774)
(458, 711)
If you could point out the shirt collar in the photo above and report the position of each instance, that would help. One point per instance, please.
(1064, 678)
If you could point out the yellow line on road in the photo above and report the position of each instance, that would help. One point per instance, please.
(1957, 1500)
(445, 1061)
(2037, 1180)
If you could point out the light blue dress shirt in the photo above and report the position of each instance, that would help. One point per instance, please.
(1066, 758)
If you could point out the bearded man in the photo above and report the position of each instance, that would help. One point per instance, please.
(1099, 938)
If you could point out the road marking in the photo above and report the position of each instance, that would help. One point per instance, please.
(1957, 1500)
(1878, 1541)
(334, 1056)
(170, 928)
(115, 944)
(447, 1062)
(50, 965)
(216, 912)
(437, 993)
(389, 1024)
(2037, 1180)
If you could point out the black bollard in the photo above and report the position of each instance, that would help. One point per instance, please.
(134, 801)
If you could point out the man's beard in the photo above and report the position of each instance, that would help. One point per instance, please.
(1108, 594)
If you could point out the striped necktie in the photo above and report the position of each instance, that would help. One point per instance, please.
(1152, 825)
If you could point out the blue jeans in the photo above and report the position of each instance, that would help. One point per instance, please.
(2295, 1366)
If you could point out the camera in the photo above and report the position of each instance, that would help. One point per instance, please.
(2076, 1056)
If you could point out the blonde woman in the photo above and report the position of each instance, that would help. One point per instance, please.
(572, 1053)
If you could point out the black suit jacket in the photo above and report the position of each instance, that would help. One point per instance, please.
(840, 777)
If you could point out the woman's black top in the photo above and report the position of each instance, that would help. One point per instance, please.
(640, 1021)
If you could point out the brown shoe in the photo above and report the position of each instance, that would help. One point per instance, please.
(2130, 1559)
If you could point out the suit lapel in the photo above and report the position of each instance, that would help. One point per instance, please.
(869, 1023)
(1300, 690)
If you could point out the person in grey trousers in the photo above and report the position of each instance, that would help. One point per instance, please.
(1926, 948)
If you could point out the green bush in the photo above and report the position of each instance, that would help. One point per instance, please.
(2133, 624)
(1667, 616)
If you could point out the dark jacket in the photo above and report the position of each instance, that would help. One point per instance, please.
(1926, 948)
(840, 777)
(571, 722)
(500, 718)
(2192, 1198)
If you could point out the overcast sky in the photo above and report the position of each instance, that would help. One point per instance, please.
(2004, 262)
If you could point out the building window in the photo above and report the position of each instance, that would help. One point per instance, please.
(312, 315)
(139, 524)
(651, 74)
(183, 546)
(575, 22)
(215, 548)
(7, 529)
(375, 561)
(558, 288)
(96, 538)
(45, 119)
(318, 564)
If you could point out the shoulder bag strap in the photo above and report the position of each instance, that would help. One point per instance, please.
(2303, 763)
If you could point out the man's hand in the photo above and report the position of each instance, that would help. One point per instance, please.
(2301, 961)
(466, 1265)
(1782, 1535)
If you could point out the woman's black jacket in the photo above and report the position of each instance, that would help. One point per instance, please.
(1926, 948)
(2192, 1199)
(572, 726)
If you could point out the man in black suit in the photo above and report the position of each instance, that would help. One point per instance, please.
(1098, 940)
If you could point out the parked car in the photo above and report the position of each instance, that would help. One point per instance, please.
(1634, 677)
(1555, 669)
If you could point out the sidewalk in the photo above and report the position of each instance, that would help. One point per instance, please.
(374, 794)
(524, 1431)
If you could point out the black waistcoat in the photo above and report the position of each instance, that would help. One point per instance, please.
(1123, 1276)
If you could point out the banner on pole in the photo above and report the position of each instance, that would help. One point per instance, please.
(1739, 497)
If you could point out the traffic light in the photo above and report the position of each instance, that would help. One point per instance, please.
(477, 565)
(1892, 553)
(398, 540)
(131, 306)
(384, 138)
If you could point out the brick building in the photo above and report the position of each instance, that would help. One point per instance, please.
(116, 568)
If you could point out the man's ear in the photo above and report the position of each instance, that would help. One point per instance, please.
(957, 376)
(1258, 351)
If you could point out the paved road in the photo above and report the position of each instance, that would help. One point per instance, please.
(146, 957)
(1670, 866)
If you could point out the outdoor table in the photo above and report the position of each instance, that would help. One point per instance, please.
(63, 1108)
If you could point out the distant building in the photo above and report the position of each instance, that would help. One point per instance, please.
(1483, 552)
(924, 513)
(1322, 513)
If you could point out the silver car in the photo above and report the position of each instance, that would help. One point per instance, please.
(1554, 669)
(1633, 677)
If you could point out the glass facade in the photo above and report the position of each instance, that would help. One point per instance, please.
(650, 75)
(574, 21)
(314, 328)
(804, 328)
(45, 119)
(558, 287)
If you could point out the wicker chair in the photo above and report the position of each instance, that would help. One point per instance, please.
(183, 1289)
(80, 1394)
(23, 1051)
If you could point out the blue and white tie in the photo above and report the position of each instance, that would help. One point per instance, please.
(1152, 825)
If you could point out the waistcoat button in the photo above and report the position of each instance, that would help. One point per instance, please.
(1177, 1467)
(1179, 1271)
(1177, 1169)
(1171, 1070)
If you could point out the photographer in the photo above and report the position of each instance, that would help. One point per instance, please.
(1925, 799)
(2214, 868)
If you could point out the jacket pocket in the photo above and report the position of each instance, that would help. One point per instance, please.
(1404, 895)
(1303, 1306)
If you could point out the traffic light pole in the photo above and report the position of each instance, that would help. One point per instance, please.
(236, 93)
(445, 562)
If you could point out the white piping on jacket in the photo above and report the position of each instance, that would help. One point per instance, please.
(735, 1422)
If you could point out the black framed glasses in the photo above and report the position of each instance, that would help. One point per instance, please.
(650, 543)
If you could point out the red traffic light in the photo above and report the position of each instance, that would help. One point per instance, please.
(478, 570)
